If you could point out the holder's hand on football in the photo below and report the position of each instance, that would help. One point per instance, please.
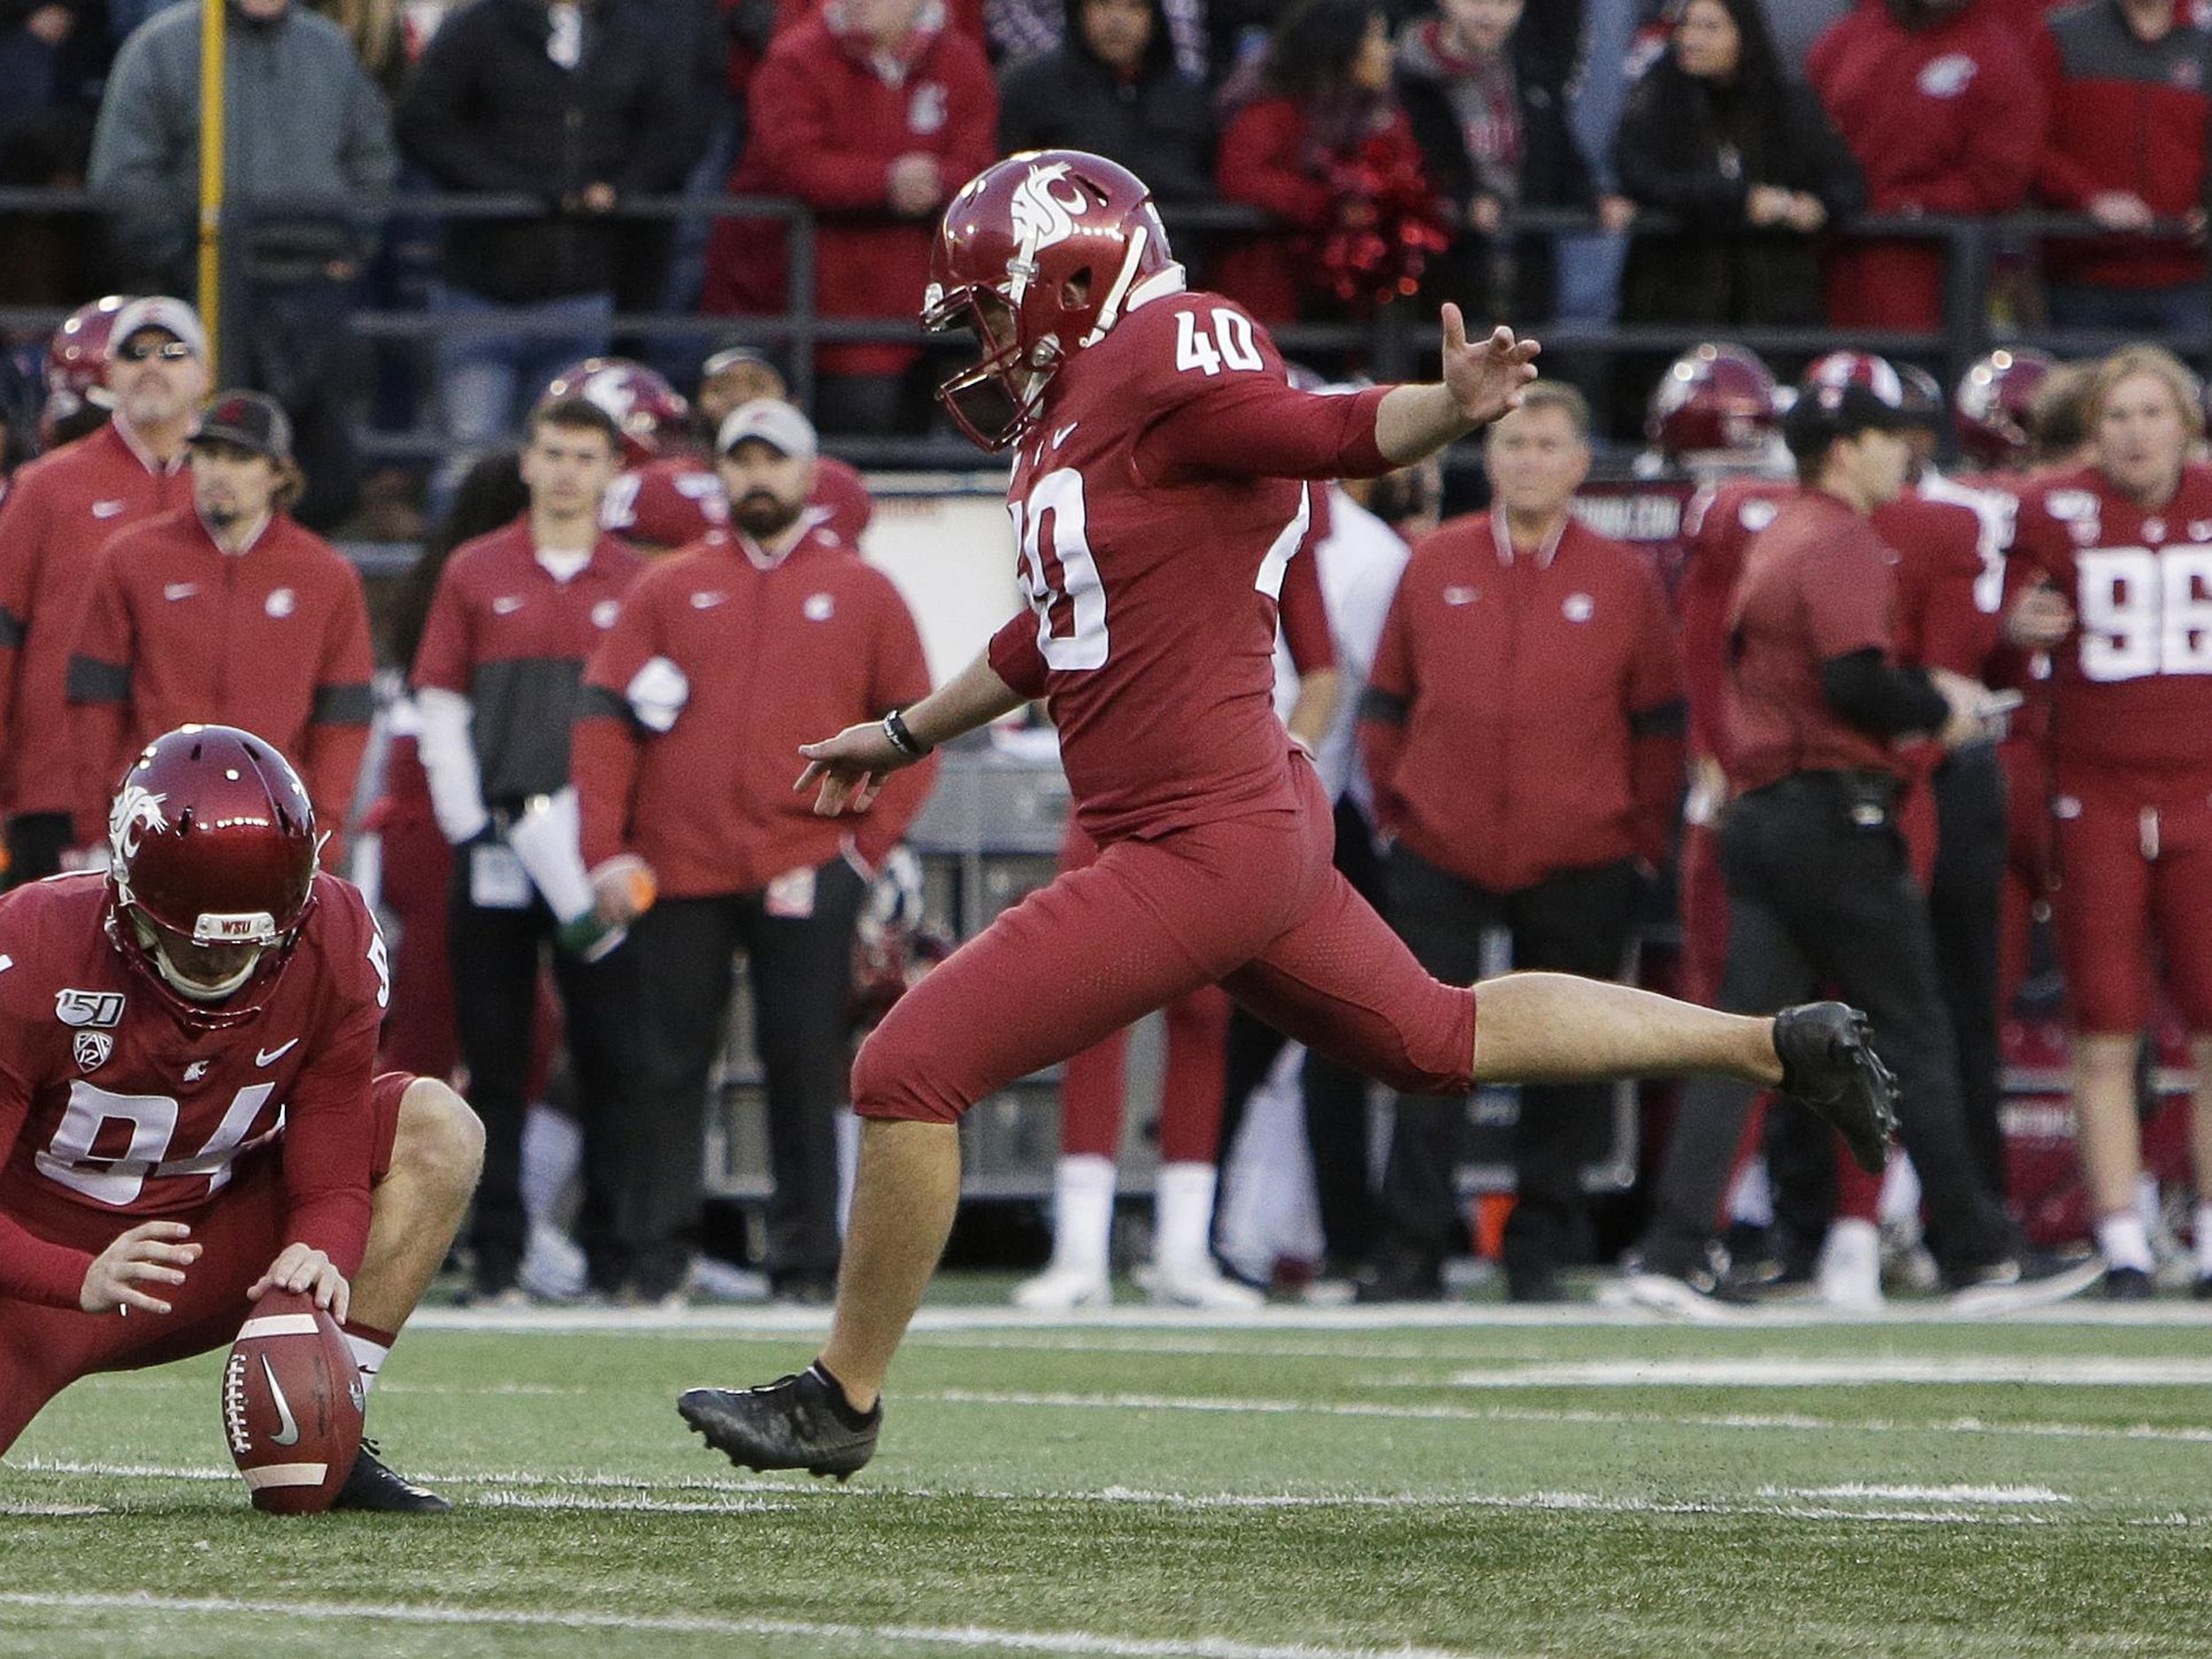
(850, 767)
(1486, 379)
(303, 1268)
(152, 1252)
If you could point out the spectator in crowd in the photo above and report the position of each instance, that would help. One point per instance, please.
(301, 119)
(1490, 115)
(1308, 130)
(2131, 117)
(1021, 30)
(515, 616)
(873, 113)
(577, 104)
(1113, 88)
(1517, 639)
(737, 375)
(59, 513)
(1737, 154)
(2111, 562)
(1939, 102)
(229, 613)
(726, 659)
(1818, 889)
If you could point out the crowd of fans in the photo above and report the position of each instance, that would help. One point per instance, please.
(569, 911)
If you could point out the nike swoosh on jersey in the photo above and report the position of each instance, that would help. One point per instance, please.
(506, 604)
(108, 509)
(269, 1056)
(180, 590)
(707, 602)
(287, 1428)
(1061, 436)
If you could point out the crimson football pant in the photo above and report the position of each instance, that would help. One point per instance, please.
(43, 1349)
(1092, 1084)
(2134, 863)
(1253, 904)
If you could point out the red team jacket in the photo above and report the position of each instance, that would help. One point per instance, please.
(113, 1111)
(2131, 687)
(1157, 652)
(1537, 702)
(1950, 119)
(774, 655)
(61, 510)
(274, 640)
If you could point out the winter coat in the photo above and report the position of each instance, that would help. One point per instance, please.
(1159, 125)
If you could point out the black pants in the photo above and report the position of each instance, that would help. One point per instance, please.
(1964, 898)
(1577, 922)
(497, 954)
(802, 980)
(1817, 900)
(1334, 1096)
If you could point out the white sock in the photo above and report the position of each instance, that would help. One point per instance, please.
(2204, 1237)
(552, 1152)
(2124, 1241)
(1182, 1215)
(368, 1359)
(1082, 1212)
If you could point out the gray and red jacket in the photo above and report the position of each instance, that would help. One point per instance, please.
(506, 635)
(724, 660)
(2127, 114)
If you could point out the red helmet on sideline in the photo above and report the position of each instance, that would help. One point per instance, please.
(1994, 404)
(650, 413)
(1877, 374)
(211, 845)
(1713, 398)
(1011, 242)
(77, 362)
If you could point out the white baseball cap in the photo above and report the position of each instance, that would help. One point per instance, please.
(775, 423)
(159, 311)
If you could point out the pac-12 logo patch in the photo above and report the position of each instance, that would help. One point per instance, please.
(88, 1007)
(92, 1049)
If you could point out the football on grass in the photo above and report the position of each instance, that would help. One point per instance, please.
(291, 1405)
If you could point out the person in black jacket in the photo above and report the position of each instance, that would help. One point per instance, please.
(1112, 87)
(578, 105)
(1742, 161)
(1486, 97)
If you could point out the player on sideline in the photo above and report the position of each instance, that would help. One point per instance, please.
(1157, 495)
(187, 1114)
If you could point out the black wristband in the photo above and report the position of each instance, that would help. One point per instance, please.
(903, 740)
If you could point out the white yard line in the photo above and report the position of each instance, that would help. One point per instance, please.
(865, 1636)
(1783, 1371)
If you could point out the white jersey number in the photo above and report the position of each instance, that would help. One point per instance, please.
(1059, 578)
(119, 1180)
(1233, 343)
(2144, 612)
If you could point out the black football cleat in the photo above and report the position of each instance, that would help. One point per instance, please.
(797, 1422)
(1828, 1064)
(372, 1485)
(2128, 1284)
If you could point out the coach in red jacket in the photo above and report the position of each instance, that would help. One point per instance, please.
(726, 658)
(1524, 727)
(227, 612)
(2130, 118)
(872, 113)
(1939, 102)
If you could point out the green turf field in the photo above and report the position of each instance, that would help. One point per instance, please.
(1300, 1484)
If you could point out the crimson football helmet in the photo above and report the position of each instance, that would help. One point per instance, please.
(211, 849)
(652, 413)
(1714, 399)
(1878, 375)
(1036, 256)
(77, 369)
(1994, 404)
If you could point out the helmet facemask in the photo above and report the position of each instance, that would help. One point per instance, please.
(998, 397)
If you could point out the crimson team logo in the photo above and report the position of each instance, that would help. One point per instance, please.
(1040, 221)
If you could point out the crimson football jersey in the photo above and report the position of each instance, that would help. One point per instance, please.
(113, 1110)
(2133, 685)
(1718, 527)
(1157, 505)
(665, 503)
(1947, 604)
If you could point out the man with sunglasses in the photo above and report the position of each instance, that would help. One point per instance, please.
(62, 509)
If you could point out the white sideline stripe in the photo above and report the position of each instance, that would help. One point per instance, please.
(33, 1511)
(1787, 1421)
(674, 1624)
(1776, 1372)
(1922, 1495)
(277, 1324)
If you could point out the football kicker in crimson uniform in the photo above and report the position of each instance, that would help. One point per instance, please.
(187, 1118)
(1165, 473)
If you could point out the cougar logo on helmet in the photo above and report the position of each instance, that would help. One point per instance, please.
(137, 810)
(1041, 220)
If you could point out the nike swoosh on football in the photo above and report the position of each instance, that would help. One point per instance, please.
(287, 1428)
(266, 1057)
